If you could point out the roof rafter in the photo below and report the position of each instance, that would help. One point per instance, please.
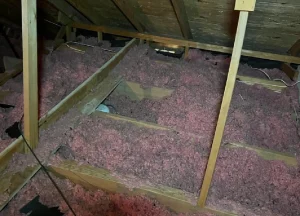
(130, 13)
(179, 8)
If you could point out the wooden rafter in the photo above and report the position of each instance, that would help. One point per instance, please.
(187, 43)
(229, 87)
(130, 13)
(182, 18)
(69, 11)
(30, 74)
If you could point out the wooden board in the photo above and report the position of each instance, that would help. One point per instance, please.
(187, 43)
(30, 72)
(244, 5)
(182, 18)
(92, 177)
(4, 77)
(135, 92)
(68, 102)
(230, 83)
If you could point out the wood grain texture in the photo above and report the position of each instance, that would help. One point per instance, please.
(131, 13)
(182, 18)
(187, 43)
(30, 73)
(230, 83)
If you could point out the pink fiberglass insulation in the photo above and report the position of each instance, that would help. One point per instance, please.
(249, 185)
(59, 74)
(162, 157)
(84, 202)
(257, 116)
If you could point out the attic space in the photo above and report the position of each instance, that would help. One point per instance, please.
(149, 108)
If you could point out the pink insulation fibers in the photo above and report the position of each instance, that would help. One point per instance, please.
(258, 116)
(60, 73)
(249, 185)
(86, 203)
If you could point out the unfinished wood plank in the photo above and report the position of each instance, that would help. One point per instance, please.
(92, 101)
(91, 177)
(79, 93)
(268, 154)
(187, 43)
(16, 182)
(69, 11)
(245, 5)
(68, 33)
(182, 18)
(30, 73)
(130, 13)
(135, 92)
(186, 52)
(68, 102)
(233, 69)
(272, 85)
(295, 49)
(289, 71)
(100, 36)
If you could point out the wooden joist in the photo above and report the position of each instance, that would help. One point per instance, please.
(130, 13)
(230, 83)
(69, 11)
(91, 177)
(4, 77)
(182, 18)
(30, 73)
(187, 43)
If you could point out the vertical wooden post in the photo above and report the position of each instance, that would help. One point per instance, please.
(30, 73)
(186, 52)
(68, 33)
(234, 64)
(100, 36)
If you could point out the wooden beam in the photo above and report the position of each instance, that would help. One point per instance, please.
(30, 73)
(187, 43)
(295, 49)
(179, 8)
(245, 5)
(233, 69)
(68, 33)
(100, 36)
(91, 177)
(73, 98)
(69, 11)
(130, 13)
(289, 71)
(4, 77)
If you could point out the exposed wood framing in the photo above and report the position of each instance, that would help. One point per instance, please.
(92, 177)
(16, 182)
(187, 43)
(289, 71)
(30, 73)
(68, 33)
(186, 52)
(233, 69)
(69, 101)
(182, 18)
(100, 36)
(245, 5)
(295, 49)
(130, 13)
(69, 11)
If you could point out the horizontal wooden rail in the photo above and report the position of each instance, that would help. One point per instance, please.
(186, 43)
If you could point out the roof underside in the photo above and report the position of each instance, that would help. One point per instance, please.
(274, 26)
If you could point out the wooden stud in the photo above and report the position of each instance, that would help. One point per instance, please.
(100, 36)
(130, 13)
(182, 18)
(186, 52)
(187, 43)
(245, 5)
(234, 64)
(68, 33)
(30, 73)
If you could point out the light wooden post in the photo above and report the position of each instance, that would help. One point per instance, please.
(30, 73)
(234, 64)
(100, 36)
